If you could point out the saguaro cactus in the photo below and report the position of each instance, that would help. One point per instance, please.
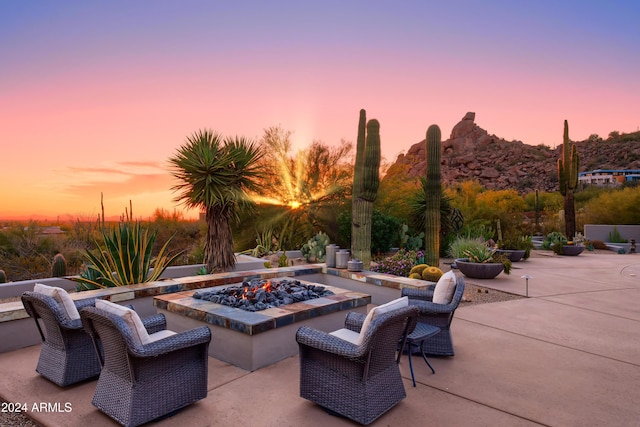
(568, 166)
(365, 188)
(433, 191)
(59, 266)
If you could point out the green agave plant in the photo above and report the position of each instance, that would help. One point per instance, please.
(477, 251)
(124, 259)
(485, 255)
(481, 254)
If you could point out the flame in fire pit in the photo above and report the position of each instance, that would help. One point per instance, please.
(249, 292)
(259, 295)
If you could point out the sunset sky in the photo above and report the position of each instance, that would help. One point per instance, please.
(96, 96)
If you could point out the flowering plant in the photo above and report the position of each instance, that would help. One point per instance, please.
(400, 263)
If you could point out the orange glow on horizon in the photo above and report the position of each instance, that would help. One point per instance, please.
(102, 113)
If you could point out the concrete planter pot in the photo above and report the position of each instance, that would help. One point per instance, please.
(571, 250)
(477, 270)
(514, 255)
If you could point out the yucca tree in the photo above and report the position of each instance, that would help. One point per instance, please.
(215, 174)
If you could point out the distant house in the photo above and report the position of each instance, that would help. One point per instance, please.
(54, 229)
(608, 177)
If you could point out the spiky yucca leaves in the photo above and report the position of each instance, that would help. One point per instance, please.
(365, 188)
(432, 191)
(125, 258)
(215, 174)
(568, 166)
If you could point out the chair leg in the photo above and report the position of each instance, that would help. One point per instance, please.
(424, 356)
(413, 378)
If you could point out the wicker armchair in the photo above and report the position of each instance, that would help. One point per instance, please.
(140, 383)
(439, 315)
(67, 354)
(359, 382)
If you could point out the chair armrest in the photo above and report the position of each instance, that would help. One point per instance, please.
(428, 307)
(179, 341)
(419, 294)
(354, 321)
(328, 343)
(91, 302)
(67, 323)
(155, 323)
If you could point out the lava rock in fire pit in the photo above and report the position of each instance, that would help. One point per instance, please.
(257, 294)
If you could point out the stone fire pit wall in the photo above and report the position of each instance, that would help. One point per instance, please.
(255, 339)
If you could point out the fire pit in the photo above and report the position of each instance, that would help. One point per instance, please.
(250, 338)
(260, 294)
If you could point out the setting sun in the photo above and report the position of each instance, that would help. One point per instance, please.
(294, 205)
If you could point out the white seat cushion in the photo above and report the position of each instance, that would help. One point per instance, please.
(157, 336)
(138, 331)
(443, 293)
(357, 338)
(381, 309)
(61, 296)
(347, 335)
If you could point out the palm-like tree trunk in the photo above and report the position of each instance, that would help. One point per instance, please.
(218, 247)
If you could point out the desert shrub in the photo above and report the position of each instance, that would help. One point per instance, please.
(399, 264)
(614, 207)
(479, 229)
(598, 244)
(385, 231)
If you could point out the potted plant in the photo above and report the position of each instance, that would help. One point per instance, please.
(515, 247)
(476, 260)
(559, 244)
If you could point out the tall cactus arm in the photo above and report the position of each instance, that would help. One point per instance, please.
(432, 197)
(360, 146)
(371, 172)
(562, 181)
(573, 168)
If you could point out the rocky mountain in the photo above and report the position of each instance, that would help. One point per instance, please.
(472, 153)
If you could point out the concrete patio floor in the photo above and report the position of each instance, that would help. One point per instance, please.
(569, 355)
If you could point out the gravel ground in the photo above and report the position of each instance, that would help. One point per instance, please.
(479, 295)
(14, 419)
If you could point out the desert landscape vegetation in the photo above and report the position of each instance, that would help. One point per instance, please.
(302, 193)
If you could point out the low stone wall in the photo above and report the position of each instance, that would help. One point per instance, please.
(603, 231)
(14, 289)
